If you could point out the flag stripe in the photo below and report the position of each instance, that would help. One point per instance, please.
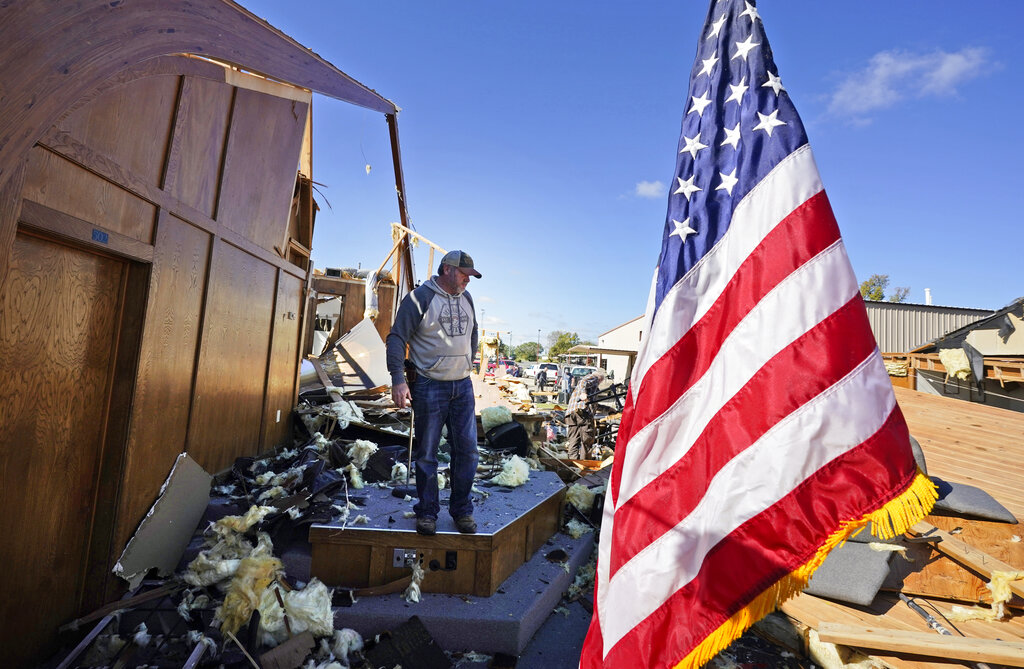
(801, 236)
(809, 366)
(834, 421)
(777, 320)
(739, 568)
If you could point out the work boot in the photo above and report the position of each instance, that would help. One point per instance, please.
(427, 526)
(466, 525)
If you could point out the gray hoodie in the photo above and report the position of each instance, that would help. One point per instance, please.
(440, 330)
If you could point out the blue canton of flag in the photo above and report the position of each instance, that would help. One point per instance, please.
(739, 124)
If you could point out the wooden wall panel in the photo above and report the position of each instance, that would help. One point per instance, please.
(229, 398)
(167, 361)
(131, 124)
(261, 166)
(197, 152)
(59, 319)
(281, 377)
(60, 184)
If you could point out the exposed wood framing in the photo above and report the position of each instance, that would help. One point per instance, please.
(404, 278)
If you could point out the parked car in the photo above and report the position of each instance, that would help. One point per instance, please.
(579, 371)
(530, 371)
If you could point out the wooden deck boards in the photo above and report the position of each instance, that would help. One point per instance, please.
(969, 443)
(964, 443)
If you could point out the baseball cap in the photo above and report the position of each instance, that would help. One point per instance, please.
(460, 259)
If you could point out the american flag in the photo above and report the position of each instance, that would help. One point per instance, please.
(761, 427)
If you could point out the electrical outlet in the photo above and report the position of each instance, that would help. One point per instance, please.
(403, 557)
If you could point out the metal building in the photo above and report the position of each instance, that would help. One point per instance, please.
(902, 327)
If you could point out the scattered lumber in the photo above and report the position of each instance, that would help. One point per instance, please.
(924, 643)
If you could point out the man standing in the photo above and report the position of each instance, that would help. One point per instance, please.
(438, 324)
(579, 418)
(542, 379)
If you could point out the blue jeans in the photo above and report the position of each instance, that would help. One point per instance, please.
(438, 403)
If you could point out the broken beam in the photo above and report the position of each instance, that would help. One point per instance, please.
(924, 643)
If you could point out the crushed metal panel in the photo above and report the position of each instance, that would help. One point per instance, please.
(357, 361)
(166, 530)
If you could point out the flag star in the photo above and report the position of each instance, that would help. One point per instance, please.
(686, 187)
(693, 145)
(682, 229)
(774, 82)
(700, 103)
(738, 91)
(716, 27)
(732, 137)
(708, 64)
(751, 11)
(728, 181)
(744, 47)
(769, 122)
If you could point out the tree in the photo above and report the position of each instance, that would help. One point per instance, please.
(899, 295)
(527, 351)
(874, 289)
(563, 343)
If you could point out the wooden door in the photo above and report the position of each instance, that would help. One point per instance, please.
(60, 314)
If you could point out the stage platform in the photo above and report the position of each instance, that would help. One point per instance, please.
(505, 622)
(513, 523)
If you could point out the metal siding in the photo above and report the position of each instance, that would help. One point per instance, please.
(900, 328)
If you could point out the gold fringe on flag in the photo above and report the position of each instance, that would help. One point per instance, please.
(894, 518)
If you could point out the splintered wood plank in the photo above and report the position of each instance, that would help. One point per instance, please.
(813, 612)
(921, 643)
(970, 443)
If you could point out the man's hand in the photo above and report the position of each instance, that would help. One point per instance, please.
(400, 395)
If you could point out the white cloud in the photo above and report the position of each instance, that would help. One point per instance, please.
(650, 189)
(892, 76)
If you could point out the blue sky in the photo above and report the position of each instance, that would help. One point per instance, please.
(539, 137)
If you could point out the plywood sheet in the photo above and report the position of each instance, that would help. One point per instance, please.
(197, 151)
(261, 166)
(167, 362)
(130, 124)
(229, 393)
(60, 184)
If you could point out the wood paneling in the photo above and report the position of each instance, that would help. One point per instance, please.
(197, 152)
(64, 145)
(59, 317)
(229, 394)
(60, 184)
(260, 166)
(130, 124)
(284, 352)
(167, 363)
(82, 232)
(55, 54)
(10, 208)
